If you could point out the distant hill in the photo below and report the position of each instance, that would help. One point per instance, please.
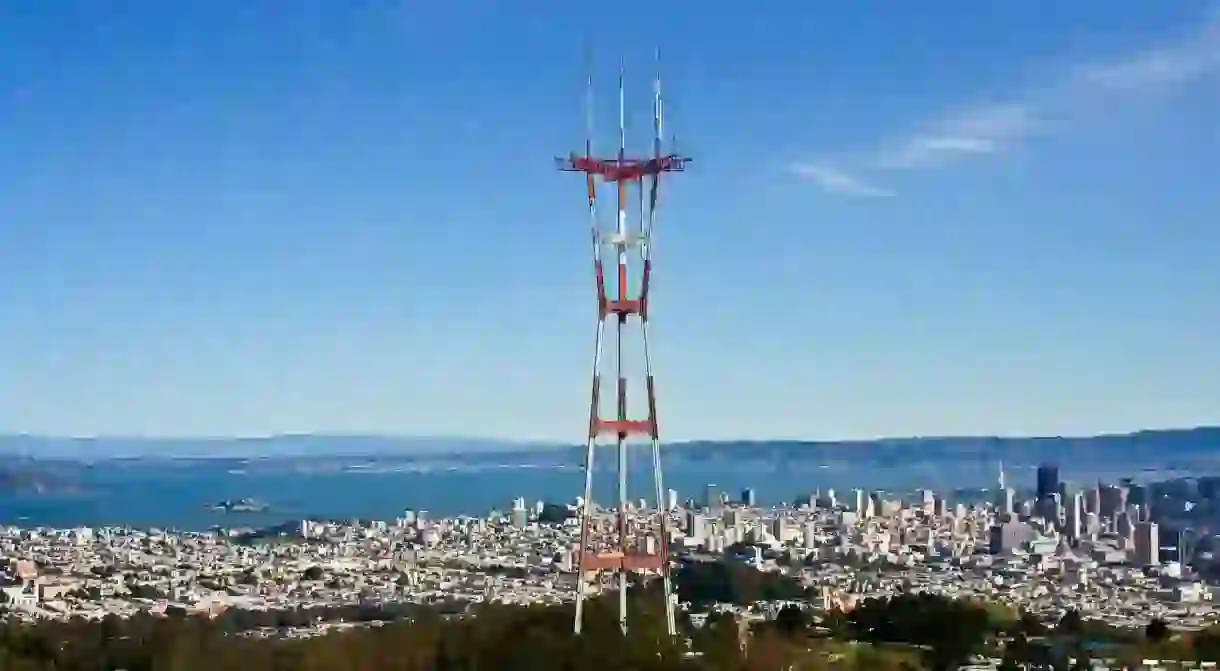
(1196, 443)
(1164, 443)
(283, 446)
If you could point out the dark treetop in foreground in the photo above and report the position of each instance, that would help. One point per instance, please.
(908, 631)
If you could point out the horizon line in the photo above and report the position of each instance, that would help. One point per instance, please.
(525, 442)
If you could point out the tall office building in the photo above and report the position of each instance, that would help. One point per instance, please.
(927, 501)
(1046, 504)
(747, 497)
(1137, 495)
(1111, 500)
(711, 497)
(696, 526)
(1092, 502)
(1008, 537)
(1048, 481)
(1123, 525)
(1010, 501)
(1147, 544)
(876, 505)
(519, 515)
(1076, 517)
(779, 528)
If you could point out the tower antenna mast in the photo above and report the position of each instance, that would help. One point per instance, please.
(630, 543)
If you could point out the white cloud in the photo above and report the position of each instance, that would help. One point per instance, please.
(989, 129)
(983, 130)
(1168, 64)
(834, 180)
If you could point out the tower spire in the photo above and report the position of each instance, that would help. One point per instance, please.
(622, 112)
(588, 100)
(657, 111)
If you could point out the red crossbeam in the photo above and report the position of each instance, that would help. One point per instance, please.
(625, 427)
(622, 170)
(622, 307)
(613, 561)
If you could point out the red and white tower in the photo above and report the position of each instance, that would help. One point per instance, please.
(632, 541)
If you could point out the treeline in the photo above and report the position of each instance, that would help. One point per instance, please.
(880, 634)
(705, 583)
(907, 631)
(1033, 644)
(887, 634)
(243, 619)
(495, 638)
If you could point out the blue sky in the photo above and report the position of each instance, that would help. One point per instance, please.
(225, 217)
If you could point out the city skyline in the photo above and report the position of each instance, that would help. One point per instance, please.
(235, 219)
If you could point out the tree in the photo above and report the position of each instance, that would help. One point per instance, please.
(1206, 644)
(1156, 631)
(1070, 624)
(950, 630)
(790, 621)
(1030, 626)
(1016, 652)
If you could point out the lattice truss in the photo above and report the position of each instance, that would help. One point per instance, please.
(626, 539)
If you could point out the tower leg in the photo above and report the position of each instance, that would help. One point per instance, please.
(586, 512)
(659, 481)
(621, 446)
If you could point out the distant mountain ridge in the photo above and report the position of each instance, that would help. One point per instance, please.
(1195, 442)
(1198, 441)
(286, 445)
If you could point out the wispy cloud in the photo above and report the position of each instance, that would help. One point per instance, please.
(834, 180)
(1157, 68)
(981, 130)
(1178, 62)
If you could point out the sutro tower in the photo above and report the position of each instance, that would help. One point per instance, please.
(633, 543)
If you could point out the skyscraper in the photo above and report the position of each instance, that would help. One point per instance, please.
(696, 525)
(1147, 544)
(1076, 517)
(1048, 480)
(519, 514)
(927, 501)
(1008, 536)
(1046, 504)
(1010, 501)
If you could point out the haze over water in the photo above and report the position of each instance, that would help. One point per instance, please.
(179, 494)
